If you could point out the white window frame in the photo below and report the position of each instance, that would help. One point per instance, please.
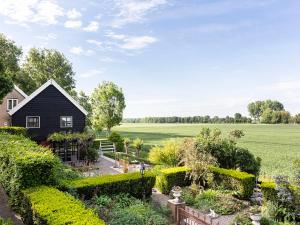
(11, 99)
(60, 122)
(33, 127)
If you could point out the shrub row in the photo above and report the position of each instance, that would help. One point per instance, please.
(46, 205)
(241, 182)
(123, 155)
(14, 130)
(268, 191)
(170, 177)
(23, 164)
(131, 183)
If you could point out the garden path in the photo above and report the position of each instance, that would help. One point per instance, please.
(104, 167)
(162, 199)
(5, 210)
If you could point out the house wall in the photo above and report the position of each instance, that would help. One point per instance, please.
(4, 116)
(50, 104)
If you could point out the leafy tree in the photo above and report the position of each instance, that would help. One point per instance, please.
(6, 84)
(85, 101)
(297, 118)
(108, 103)
(237, 118)
(255, 109)
(117, 139)
(273, 105)
(10, 55)
(43, 64)
(169, 154)
(266, 116)
(138, 144)
(197, 160)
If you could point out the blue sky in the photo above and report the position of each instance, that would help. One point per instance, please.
(171, 57)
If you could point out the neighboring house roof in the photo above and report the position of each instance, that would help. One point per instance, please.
(20, 91)
(40, 89)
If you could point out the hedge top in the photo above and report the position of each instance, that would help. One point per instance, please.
(100, 180)
(56, 207)
(175, 170)
(233, 173)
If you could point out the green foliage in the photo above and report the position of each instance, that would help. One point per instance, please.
(96, 143)
(241, 182)
(23, 163)
(126, 210)
(170, 177)
(169, 154)
(226, 151)
(126, 142)
(138, 145)
(14, 130)
(85, 101)
(122, 155)
(242, 219)
(222, 203)
(46, 205)
(60, 137)
(108, 103)
(275, 117)
(116, 138)
(92, 154)
(6, 83)
(5, 221)
(268, 190)
(131, 183)
(43, 64)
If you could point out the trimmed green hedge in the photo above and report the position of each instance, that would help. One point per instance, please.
(46, 205)
(23, 164)
(123, 155)
(14, 130)
(131, 183)
(96, 143)
(268, 191)
(170, 177)
(241, 182)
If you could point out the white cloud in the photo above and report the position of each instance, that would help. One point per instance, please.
(73, 24)
(116, 36)
(22, 12)
(73, 14)
(48, 37)
(283, 86)
(76, 50)
(132, 11)
(137, 42)
(94, 42)
(92, 73)
(92, 27)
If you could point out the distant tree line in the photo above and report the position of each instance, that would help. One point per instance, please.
(238, 118)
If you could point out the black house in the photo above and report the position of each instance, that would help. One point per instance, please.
(47, 110)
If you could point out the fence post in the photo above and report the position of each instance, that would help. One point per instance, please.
(174, 206)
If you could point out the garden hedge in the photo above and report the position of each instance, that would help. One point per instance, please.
(46, 205)
(14, 130)
(130, 183)
(268, 191)
(241, 182)
(170, 177)
(23, 164)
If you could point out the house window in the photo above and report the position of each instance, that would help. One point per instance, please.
(11, 103)
(32, 122)
(66, 121)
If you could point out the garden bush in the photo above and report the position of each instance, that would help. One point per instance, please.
(243, 183)
(170, 177)
(47, 205)
(116, 138)
(131, 183)
(96, 143)
(5, 221)
(14, 130)
(123, 155)
(23, 164)
(268, 191)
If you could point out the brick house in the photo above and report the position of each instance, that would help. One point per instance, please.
(10, 101)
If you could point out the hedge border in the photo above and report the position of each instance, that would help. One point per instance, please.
(131, 183)
(47, 205)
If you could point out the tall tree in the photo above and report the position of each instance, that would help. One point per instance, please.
(255, 109)
(6, 84)
(43, 64)
(10, 55)
(85, 101)
(108, 103)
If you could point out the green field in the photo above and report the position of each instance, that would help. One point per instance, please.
(277, 145)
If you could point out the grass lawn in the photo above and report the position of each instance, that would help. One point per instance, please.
(277, 145)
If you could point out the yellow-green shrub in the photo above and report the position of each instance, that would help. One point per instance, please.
(131, 183)
(241, 182)
(23, 164)
(47, 205)
(14, 130)
(170, 177)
